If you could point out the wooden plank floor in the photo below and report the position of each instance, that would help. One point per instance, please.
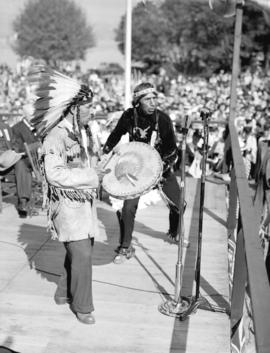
(126, 296)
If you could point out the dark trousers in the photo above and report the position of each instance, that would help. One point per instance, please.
(23, 173)
(76, 280)
(171, 189)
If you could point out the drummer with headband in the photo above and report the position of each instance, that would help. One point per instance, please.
(145, 123)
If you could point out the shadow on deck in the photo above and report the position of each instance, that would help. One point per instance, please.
(126, 296)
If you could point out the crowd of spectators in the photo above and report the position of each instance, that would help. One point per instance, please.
(177, 95)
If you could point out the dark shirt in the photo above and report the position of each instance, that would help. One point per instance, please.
(22, 133)
(142, 131)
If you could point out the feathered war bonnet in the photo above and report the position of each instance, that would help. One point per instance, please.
(55, 94)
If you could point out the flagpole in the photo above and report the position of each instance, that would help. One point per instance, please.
(128, 47)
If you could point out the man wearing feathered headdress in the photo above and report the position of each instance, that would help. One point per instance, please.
(62, 111)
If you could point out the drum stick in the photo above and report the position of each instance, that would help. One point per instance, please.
(130, 177)
(108, 160)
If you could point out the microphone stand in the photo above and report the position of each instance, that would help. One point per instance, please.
(198, 301)
(175, 307)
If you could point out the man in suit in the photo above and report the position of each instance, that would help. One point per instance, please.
(23, 132)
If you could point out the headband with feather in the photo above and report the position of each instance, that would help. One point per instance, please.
(55, 94)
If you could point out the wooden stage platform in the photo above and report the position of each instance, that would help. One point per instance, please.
(126, 296)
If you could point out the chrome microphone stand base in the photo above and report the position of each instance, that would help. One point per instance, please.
(174, 308)
(200, 303)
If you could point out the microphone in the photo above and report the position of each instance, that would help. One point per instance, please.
(205, 113)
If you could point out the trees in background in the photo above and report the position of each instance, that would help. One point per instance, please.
(255, 38)
(202, 40)
(179, 35)
(54, 31)
(149, 34)
(186, 36)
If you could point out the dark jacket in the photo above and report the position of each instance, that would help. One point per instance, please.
(140, 129)
(21, 133)
(262, 176)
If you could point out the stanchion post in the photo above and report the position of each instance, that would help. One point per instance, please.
(175, 307)
(179, 264)
(205, 117)
(198, 301)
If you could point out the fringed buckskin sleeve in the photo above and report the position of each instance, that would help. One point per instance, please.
(57, 171)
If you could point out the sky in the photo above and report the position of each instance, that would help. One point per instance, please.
(103, 15)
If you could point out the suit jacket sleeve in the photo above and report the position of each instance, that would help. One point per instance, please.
(21, 134)
(17, 139)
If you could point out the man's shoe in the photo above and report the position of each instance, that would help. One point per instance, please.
(118, 249)
(119, 259)
(22, 208)
(173, 236)
(62, 300)
(130, 252)
(22, 214)
(123, 254)
(87, 319)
